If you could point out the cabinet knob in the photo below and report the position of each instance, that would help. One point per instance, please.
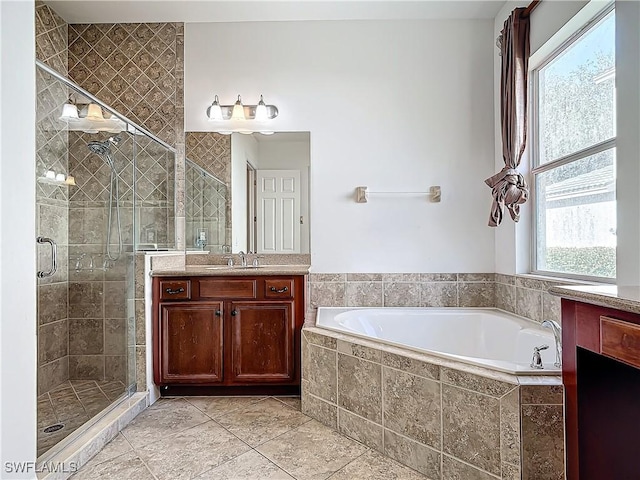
(234, 313)
(218, 312)
(282, 290)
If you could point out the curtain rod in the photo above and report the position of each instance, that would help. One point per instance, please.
(532, 6)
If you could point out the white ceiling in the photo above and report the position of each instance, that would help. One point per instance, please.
(132, 11)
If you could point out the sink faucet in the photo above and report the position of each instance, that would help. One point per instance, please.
(243, 258)
(557, 334)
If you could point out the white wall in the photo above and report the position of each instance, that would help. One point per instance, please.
(17, 237)
(394, 105)
(290, 156)
(243, 149)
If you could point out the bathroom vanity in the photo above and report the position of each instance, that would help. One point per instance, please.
(219, 331)
(601, 377)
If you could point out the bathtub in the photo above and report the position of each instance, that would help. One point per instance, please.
(485, 337)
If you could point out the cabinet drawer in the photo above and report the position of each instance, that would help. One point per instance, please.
(232, 288)
(278, 288)
(620, 340)
(175, 289)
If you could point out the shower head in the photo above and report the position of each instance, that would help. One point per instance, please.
(100, 148)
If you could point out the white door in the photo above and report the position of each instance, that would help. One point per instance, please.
(278, 212)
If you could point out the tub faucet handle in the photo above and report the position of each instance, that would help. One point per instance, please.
(536, 361)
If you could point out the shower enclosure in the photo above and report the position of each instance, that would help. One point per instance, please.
(103, 194)
(206, 211)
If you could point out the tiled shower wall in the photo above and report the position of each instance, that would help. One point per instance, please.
(212, 152)
(100, 288)
(51, 201)
(523, 295)
(97, 285)
(136, 68)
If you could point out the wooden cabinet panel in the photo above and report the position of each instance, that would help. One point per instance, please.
(589, 331)
(191, 343)
(228, 288)
(262, 342)
(620, 340)
(175, 290)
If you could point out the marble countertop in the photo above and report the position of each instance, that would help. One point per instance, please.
(625, 298)
(225, 271)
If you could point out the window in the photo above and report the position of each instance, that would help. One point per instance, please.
(574, 167)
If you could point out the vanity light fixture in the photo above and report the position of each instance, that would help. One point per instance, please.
(261, 111)
(214, 111)
(239, 112)
(90, 118)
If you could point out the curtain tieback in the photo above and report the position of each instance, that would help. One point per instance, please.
(509, 189)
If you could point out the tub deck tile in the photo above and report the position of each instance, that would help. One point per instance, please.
(411, 365)
(413, 454)
(471, 428)
(360, 387)
(412, 407)
(477, 383)
(360, 429)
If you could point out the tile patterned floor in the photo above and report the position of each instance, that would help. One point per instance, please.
(72, 403)
(239, 438)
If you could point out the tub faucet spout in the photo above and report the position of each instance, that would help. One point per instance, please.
(557, 335)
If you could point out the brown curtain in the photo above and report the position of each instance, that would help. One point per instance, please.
(509, 188)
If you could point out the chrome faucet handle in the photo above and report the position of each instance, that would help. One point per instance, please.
(557, 335)
(536, 361)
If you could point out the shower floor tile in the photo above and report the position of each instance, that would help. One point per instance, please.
(72, 404)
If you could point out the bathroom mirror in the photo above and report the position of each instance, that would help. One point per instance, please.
(247, 192)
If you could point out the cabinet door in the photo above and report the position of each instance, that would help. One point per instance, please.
(262, 336)
(191, 343)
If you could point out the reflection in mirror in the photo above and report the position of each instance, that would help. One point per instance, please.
(266, 180)
(205, 211)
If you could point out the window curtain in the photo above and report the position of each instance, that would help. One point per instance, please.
(508, 187)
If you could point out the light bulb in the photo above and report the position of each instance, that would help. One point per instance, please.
(94, 112)
(261, 111)
(238, 111)
(214, 112)
(69, 112)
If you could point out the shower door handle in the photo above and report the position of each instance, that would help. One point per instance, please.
(54, 255)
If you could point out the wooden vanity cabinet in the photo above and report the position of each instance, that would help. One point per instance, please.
(228, 335)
